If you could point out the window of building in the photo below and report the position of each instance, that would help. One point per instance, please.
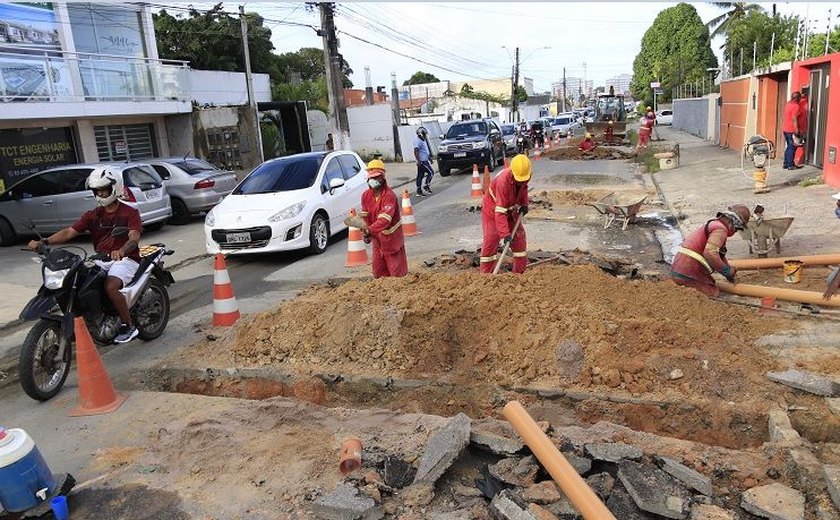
(125, 142)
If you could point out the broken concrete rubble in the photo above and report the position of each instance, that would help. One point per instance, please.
(832, 481)
(345, 504)
(710, 512)
(581, 464)
(693, 479)
(613, 451)
(806, 382)
(833, 404)
(622, 506)
(420, 494)
(443, 448)
(602, 484)
(653, 490)
(775, 502)
(564, 510)
(519, 472)
(397, 472)
(494, 443)
(507, 506)
(780, 428)
(541, 513)
(545, 492)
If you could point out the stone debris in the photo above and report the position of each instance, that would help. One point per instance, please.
(676, 374)
(420, 494)
(807, 382)
(466, 491)
(653, 490)
(623, 507)
(398, 473)
(775, 502)
(345, 504)
(519, 472)
(495, 443)
(833, 404)
(569, 359)
(602, 484)
(564, 510)
(613, 451)
(710, 512)
(541, 513)
(691, 478)
(507, 506)
(545, 492)
(780, 428)
(443, 448)
(454, 515)
(581, 464)
(832, 480)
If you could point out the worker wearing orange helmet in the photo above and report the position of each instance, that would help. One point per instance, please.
(505, 202)
(381, 213)
(703, 251)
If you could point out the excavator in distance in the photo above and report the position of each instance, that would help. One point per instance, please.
(610, 117)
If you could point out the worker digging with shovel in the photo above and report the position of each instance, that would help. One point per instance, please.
(504, 205)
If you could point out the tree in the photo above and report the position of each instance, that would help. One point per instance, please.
(600, 90)
(735, 11)
(313, 92)
(309, 62)
(421, 77)
(759, 28)
(675, 49)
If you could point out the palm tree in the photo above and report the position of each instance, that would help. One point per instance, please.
(734, 12)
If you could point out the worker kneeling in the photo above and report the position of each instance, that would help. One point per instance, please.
(587, 145)
(505, 203)
(381, 213)
(703, 252)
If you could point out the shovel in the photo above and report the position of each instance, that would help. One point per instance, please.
(507, 246)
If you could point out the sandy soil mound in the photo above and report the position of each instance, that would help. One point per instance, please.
(572, 153)
(558, 326)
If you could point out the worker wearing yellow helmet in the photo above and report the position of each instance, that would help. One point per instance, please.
(381, 213)
(505, 203)
(588, 144)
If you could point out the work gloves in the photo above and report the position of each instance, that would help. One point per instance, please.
(523, 210)
(728, 272)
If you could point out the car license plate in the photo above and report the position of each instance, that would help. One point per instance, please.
(460, 154)
(154, 194)
(238, 238)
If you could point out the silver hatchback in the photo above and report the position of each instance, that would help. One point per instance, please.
(54, 199)
(195, 186)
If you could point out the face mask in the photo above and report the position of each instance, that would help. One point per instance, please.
(374, 183)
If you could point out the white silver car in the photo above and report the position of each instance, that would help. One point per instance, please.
(293, 202)
(665, 117)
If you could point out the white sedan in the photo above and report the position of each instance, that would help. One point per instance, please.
(293, 202)
(665, 117)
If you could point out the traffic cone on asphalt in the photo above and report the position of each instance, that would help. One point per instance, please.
(225, 308)
(356, 250)
(96, 393)
(486, 186)
(537, 153)
(409, 225)
(476, 183)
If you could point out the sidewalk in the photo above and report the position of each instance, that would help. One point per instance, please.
(710, 178)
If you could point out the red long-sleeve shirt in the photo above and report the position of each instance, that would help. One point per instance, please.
(382, 214)
(504, 198)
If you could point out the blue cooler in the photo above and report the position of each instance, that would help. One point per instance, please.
(23, 472)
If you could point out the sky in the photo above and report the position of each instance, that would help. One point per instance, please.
(460, 41)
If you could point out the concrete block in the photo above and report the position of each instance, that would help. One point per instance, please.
(806, 382)
(541, 513)
(443, 448)
(693, 479)
(780, 428)
(507, 506)
(710, 512)
(832, 481)
(613, 451)
(564, 510)
(494, 443)
(602, 484)
(545, 492)
(622, 506)
(345, 504)
(519, 472)
(833, 404)
(653, 490)
(775, 501)
(581, 464)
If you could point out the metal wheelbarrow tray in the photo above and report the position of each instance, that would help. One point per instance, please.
(612, 207)
(762, 234)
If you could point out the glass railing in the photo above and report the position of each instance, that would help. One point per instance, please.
(74, 77)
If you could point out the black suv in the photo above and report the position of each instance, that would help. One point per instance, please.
(477, 141)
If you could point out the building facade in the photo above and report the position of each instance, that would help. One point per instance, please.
(573, 89)
(620, 83)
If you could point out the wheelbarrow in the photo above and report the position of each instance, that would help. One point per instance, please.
(763, 233)
(611, 207)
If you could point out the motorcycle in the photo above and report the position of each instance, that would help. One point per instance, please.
(537, 136)
(74, 286)
(522, 143)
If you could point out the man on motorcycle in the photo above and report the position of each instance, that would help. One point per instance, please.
(106, 184)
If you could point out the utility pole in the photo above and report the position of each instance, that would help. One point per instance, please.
(564, 89)
(332, 61)
(249, 79)
(516, 86)
(512, 94)
(395, 101)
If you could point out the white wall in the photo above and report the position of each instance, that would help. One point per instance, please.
(319, 127)
(371, 130)
(221, 88)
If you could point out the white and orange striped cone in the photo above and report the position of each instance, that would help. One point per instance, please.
(409, 225)
(537, 153)
(225, 308)
(356, 250)
(548, 145)
(475, 192)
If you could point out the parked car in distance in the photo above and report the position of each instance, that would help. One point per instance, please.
(478, 141)
(292, 202)
(194, 185)
(565, 125)
(665, 117)
(51, 200)
(509, 135)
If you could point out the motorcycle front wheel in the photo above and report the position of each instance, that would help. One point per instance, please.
(151, 313)
(41, 374)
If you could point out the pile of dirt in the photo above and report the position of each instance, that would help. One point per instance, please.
(645, 337)
(547, 199)
(572, 153)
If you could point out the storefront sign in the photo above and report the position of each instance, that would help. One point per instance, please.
(30, 150)
(120, 147)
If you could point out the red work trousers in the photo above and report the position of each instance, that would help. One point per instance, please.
(490, 247)
(389, 264)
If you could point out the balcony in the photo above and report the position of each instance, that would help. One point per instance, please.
(50, 84)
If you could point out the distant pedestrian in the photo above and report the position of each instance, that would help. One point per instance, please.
(645, 129)
(422, 155)
(790, 129)
(381, 213)
(330, 144)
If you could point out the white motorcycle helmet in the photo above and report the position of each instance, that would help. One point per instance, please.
(104, 177)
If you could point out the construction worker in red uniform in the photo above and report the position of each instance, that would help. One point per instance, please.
(703, 251)
(381, 213)
(505, 202)
(587, 145)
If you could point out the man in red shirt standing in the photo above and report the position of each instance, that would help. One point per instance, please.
(381, 213)
(790, 127)
(106, 184)
(504, 203)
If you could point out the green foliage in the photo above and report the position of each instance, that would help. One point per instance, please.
(313, 92)
(421, 77)
(675, 49)
(758, 27)
(813, 181)
(521, 94)
(309, 63)
(645, 157)
(736, 11)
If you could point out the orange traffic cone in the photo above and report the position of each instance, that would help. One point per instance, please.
(96, 393)
(356, 251)
(486, 186)
(476, 183)
(225, 308)
(537, 153)
(548, 145)
(409, 225)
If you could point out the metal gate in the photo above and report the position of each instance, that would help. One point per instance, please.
(125, 142)
(818, 115)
